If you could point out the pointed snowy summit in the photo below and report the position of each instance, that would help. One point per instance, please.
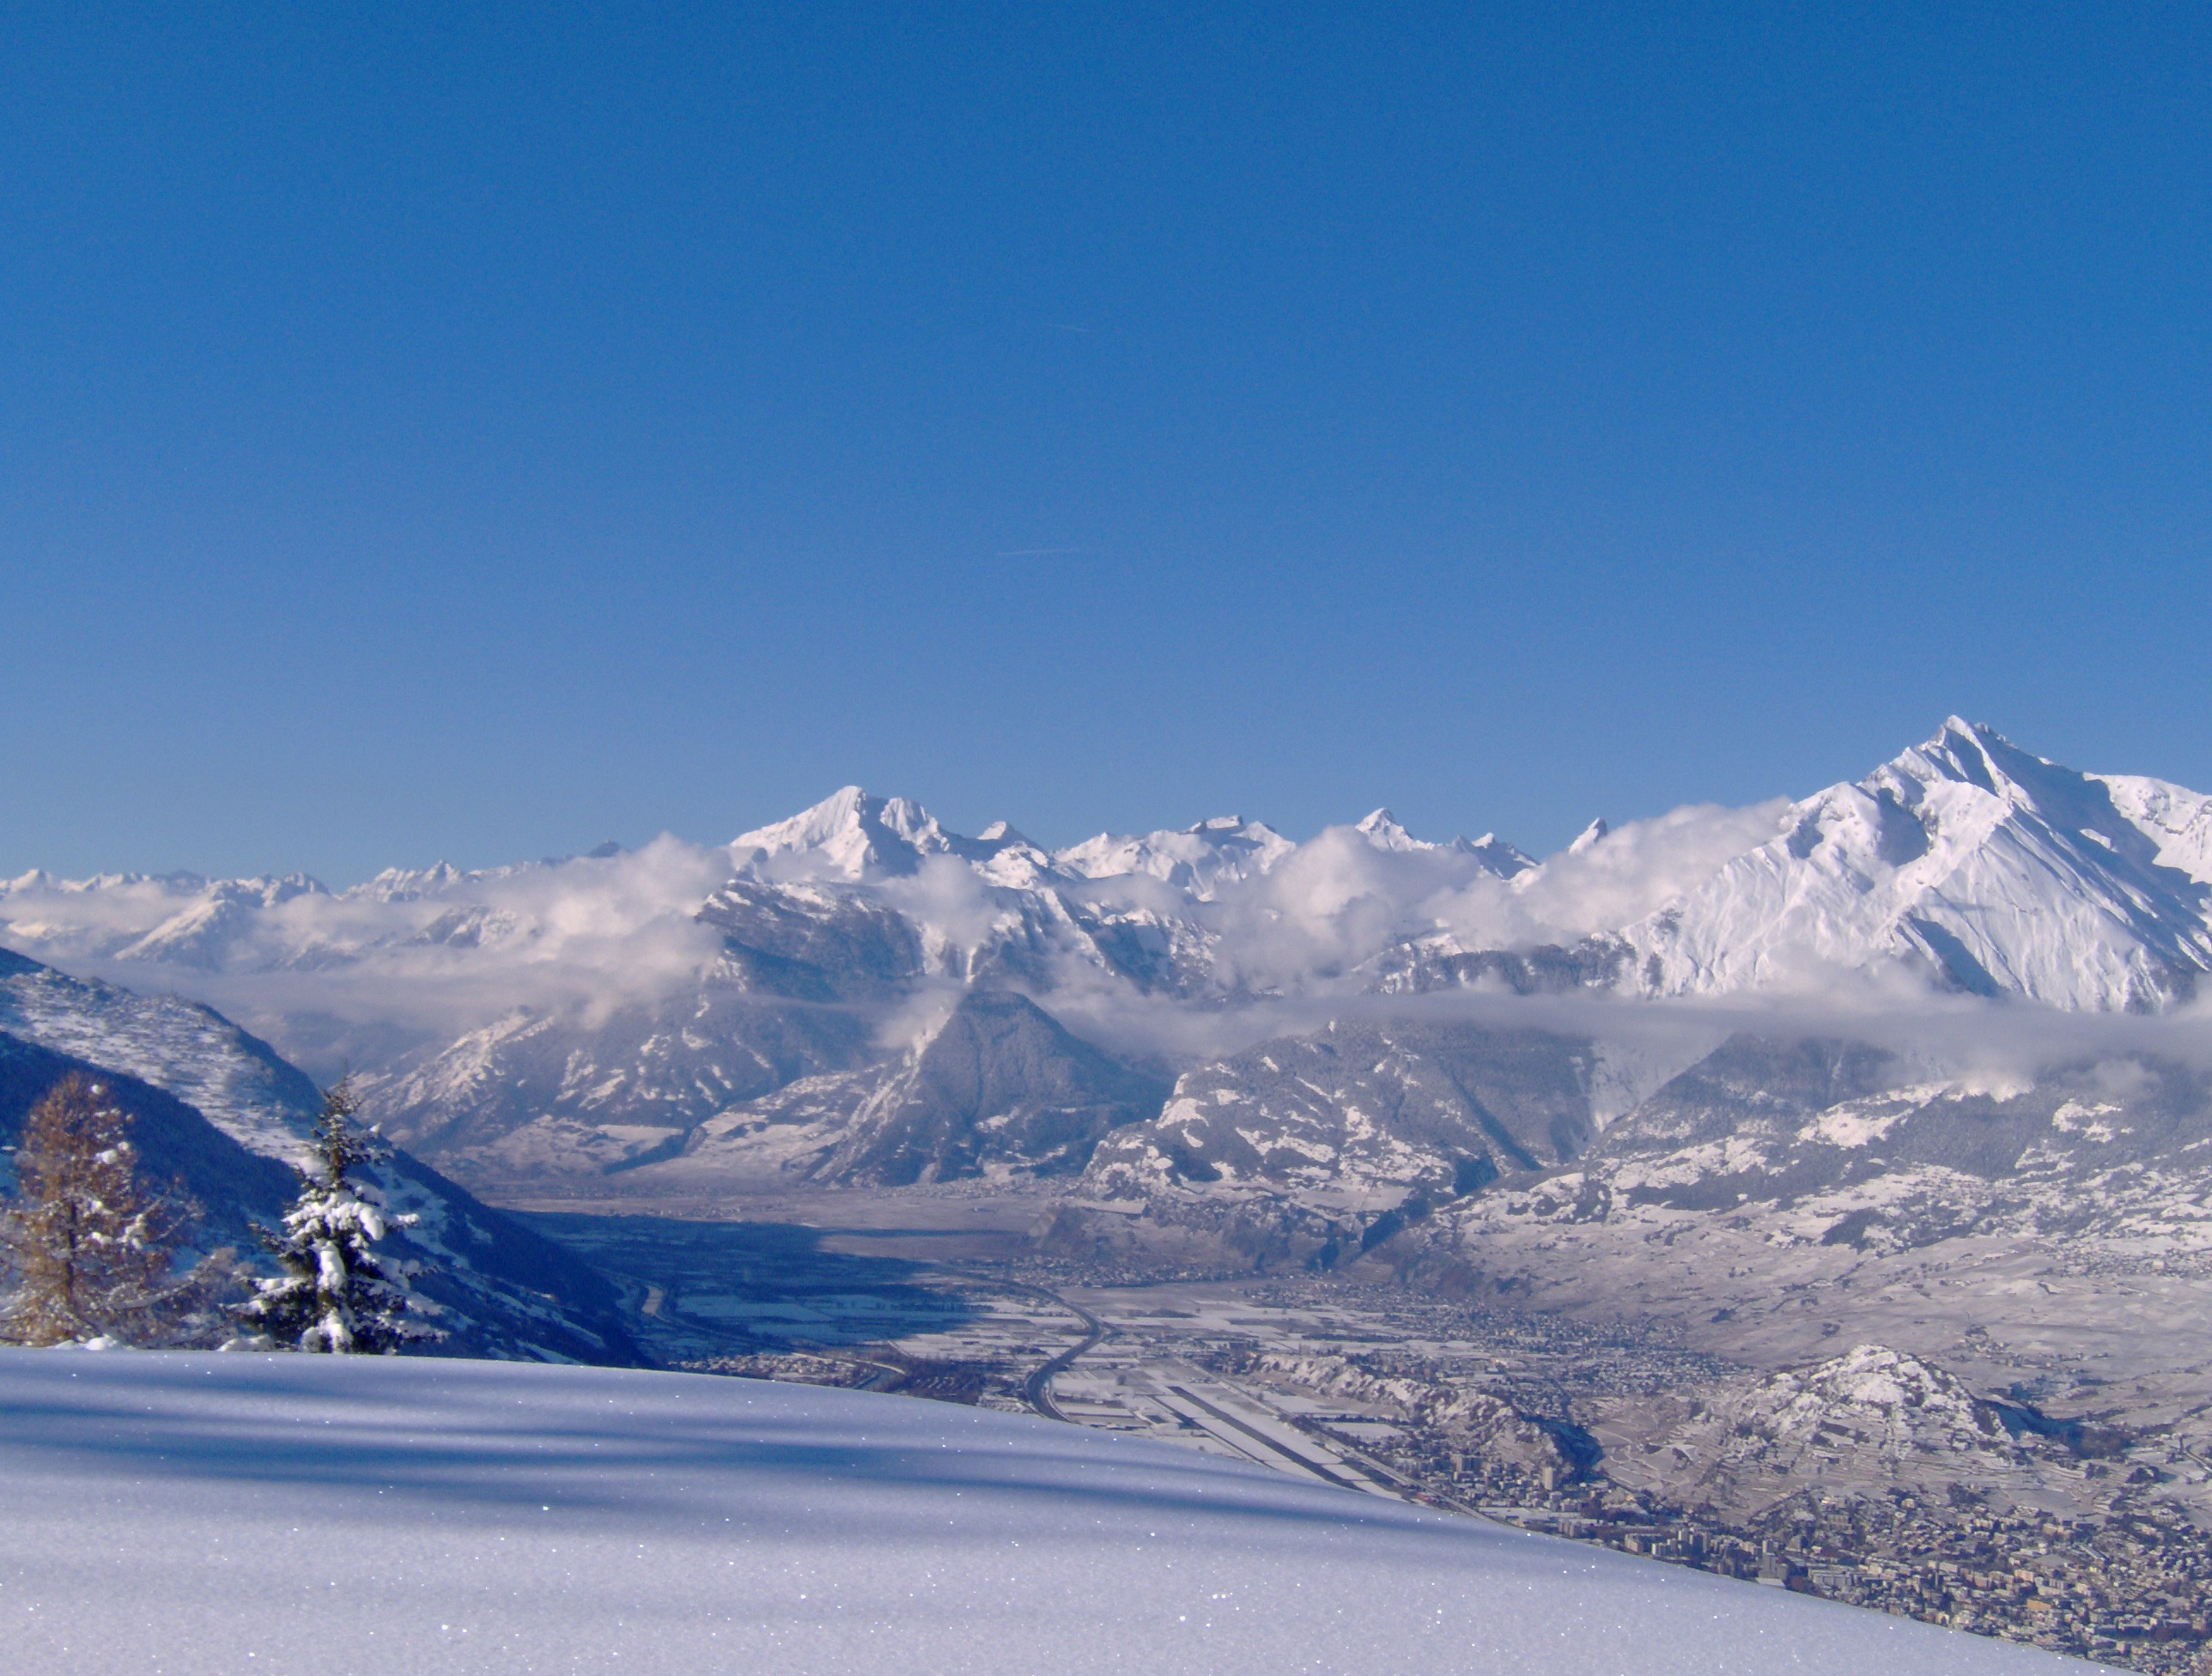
(1991, 870)
(1383, 831)
(1590, 837)
(1198, 858)
(851, 835)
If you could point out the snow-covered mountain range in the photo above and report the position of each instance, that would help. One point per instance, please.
(627, 1007)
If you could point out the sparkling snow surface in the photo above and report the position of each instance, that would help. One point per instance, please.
(200, 1513)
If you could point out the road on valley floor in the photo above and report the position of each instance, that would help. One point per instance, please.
(1037, 1389)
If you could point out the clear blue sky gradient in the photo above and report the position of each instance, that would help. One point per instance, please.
(482, 431)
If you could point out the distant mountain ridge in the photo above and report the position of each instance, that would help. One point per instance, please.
(1966, 859)
(595, 1013)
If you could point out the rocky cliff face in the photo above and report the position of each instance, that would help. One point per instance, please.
(998, 1090)
(1362, 1116)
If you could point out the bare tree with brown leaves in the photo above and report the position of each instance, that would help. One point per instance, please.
(92, 1250)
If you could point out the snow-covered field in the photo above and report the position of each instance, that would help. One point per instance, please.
(206, 1513)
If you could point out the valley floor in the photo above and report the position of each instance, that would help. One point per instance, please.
(1628, 1343)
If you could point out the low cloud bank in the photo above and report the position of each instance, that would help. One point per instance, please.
(1339, 900)
(1994, 1046)
(360, 976)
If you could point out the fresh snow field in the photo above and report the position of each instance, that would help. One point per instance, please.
(211, 1513)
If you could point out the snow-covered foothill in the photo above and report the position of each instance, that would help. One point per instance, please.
(232, 1109)
(219, 1514)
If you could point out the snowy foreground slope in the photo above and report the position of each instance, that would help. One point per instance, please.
(201, 1513)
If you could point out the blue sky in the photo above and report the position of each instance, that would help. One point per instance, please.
(480, 432)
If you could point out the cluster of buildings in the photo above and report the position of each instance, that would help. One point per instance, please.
(2130, 1585)
(2124, 1577)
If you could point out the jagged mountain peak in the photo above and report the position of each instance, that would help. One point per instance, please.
(1965, 748)
(407, 885)
(1590, 837)
(1965, 859)
(994, 1087)
(270, 889)
(1386, 832)
(220, 916)
(851, 835)
(1199, 859)
(1983, 763)
(1993, 871)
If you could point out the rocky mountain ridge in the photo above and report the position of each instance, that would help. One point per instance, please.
(1814, 1142)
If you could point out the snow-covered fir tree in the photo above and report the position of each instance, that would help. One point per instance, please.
(91, 1247)
(335, 1293)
